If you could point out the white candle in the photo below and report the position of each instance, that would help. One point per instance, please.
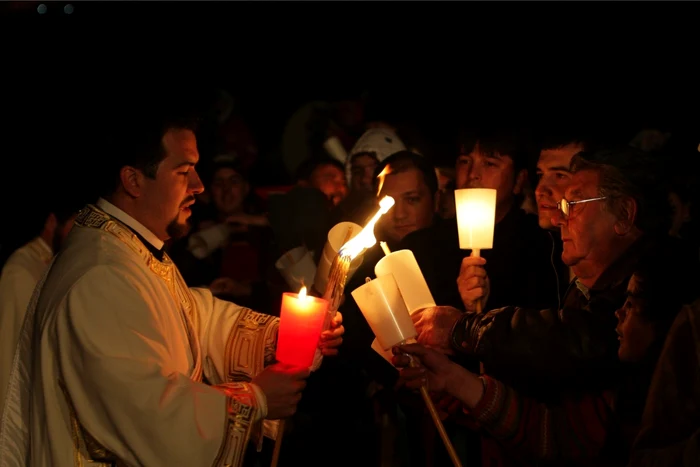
(383, 307)
(337, 237)
(403, 266)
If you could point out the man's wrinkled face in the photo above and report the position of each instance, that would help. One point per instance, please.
(414, 206)
(331, 181)
(554, 178)
(169, 196)
(588, 232)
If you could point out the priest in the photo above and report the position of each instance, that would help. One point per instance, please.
(119, 362)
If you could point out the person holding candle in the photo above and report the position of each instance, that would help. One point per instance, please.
(120, 362)
(612, 212)
(581, 428)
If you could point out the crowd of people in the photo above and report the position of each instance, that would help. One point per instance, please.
(141, 329)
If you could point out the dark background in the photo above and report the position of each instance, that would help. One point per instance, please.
(618, 67)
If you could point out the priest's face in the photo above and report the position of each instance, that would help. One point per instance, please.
(168, 198)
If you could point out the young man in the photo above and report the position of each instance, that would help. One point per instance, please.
(518, 267)
(120, 362)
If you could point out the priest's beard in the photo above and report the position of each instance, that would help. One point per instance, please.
(178, 229)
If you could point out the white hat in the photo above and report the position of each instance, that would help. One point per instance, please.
(380, 141)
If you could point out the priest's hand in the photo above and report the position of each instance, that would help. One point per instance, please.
(434, 326)
(331, 339)
(282, 385)
(473, 282)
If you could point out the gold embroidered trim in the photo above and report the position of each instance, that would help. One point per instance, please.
(93, 217)
(241, 407)
(95, 453)
(250, 345)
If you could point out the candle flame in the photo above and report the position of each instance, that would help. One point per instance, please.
(302, 293)
(365, 239)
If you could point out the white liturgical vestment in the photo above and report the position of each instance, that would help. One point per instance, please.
(22, 271)
(113, 357)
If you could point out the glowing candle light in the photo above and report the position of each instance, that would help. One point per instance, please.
(302, 319)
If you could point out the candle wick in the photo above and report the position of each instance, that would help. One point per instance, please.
(367, 280)
(385, 248)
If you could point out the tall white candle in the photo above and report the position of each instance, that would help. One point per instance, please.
(383, 307)
(404, 267)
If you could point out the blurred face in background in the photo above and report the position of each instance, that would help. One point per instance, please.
(229, 191)
(331, 181)
(362, 169)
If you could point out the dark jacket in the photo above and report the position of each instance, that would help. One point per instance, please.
(543, 352)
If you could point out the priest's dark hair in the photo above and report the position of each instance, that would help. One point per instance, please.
(134, 134)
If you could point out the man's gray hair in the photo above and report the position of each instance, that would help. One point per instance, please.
(627, 172)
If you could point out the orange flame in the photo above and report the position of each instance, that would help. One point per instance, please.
(366, 239)
(302, 293)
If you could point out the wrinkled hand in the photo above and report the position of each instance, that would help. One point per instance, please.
(331, 339)
(282, 385)
(228, 286)
(431, 369)
(473, 282)
(434, 326)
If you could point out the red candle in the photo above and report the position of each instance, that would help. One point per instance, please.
(301, 322)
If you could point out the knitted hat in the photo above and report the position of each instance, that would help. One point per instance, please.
(381, 142)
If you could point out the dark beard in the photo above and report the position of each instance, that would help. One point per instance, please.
(177, 229)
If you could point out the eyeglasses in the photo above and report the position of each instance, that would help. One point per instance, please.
(565, 206)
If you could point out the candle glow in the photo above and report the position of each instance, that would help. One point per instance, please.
(366, 239)
(302, 318)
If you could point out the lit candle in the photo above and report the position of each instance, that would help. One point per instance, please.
(301, 322)
(476, 213)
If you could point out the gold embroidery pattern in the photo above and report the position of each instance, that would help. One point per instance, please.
(93, 217)
(247, 345)
(241, 408)
(95, 453)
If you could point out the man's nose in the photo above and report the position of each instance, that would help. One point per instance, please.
(195, 186)
(558, 218)
(399, 210)
(542, 189)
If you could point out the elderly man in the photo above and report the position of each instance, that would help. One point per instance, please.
(610, 212)
(121, 363)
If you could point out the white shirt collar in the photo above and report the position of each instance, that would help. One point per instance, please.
(112, 210)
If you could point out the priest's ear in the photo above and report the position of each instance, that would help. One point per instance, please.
(132, 180)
